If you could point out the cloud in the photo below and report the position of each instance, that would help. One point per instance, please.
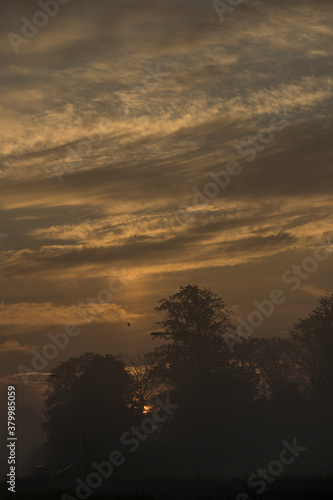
(47, 314)
(13, 353)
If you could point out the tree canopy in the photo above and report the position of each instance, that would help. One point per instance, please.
(223, 398)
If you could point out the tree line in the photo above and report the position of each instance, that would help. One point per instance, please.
(234, 409)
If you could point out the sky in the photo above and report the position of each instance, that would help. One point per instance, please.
(116, 117)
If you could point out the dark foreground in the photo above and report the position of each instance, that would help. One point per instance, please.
(179, 490)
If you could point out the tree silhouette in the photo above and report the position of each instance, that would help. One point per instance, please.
(232, 407)
(274, 361)
(91, 392)
(195, 321)
(312, 339)
(146, 379)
